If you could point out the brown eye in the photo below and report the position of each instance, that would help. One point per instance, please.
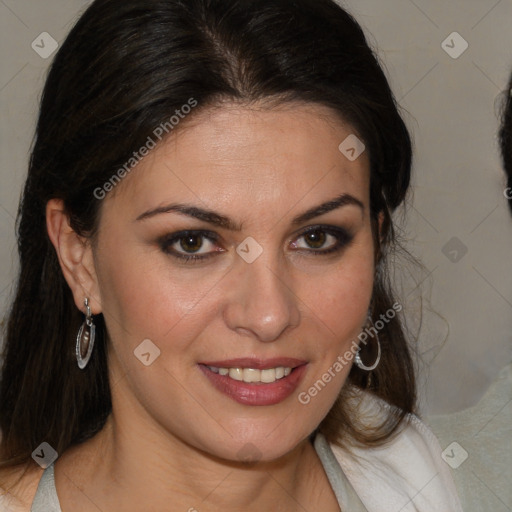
(319, 240)
(191, 243)
(315, 239)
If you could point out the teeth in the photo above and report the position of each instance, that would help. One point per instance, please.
(269, 375)
(252, 375)
(236, 373)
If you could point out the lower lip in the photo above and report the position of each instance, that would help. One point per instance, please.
(256, 393)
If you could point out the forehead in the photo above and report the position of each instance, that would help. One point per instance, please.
(230, 153)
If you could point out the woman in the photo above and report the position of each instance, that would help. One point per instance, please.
(203, 316)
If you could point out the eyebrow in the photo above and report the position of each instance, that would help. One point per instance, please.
(222, 221)
(333, 204)
(203, 214)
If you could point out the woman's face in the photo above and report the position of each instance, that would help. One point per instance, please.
(241, 247)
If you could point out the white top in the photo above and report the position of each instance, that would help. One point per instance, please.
(407, 474)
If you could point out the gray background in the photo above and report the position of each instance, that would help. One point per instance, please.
(456, 221)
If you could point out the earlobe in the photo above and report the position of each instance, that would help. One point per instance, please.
(75, 256)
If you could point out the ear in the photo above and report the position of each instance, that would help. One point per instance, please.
(75, 257)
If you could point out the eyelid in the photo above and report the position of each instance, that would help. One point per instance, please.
(328, 228)
(173, 237)
(343, 237)
(165, 242)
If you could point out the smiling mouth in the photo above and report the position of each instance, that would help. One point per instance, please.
(253, 381)
(253, 375)
(254, 370)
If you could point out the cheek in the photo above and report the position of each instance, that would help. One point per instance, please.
(339, 300)
(144, 296)
(338, 307)
(341, 303)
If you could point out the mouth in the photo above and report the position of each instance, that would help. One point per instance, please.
(253, 381)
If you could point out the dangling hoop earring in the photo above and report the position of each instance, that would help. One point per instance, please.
(85, 338)
(357, 358)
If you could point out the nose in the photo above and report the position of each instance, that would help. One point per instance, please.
(262, 303)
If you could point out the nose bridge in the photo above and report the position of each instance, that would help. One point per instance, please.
(264, 304)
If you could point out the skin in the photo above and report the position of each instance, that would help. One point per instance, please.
(172, 437)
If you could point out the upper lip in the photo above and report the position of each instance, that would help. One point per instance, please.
(256, 363)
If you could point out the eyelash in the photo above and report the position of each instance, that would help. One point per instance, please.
(167, 241)
(342, 236)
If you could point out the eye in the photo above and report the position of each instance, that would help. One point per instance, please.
(190, 245)
(317, 239)
(322, 239)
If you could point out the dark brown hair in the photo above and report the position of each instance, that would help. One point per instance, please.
(126, 66)
(506, 140)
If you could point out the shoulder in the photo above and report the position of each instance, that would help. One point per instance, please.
(18, 487)
(407, 472)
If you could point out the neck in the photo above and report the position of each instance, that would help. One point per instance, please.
(126, 465)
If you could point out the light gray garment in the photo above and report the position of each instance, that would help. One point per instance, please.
(348, 500)
(46, 499)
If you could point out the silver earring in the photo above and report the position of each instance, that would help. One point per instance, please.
(357, 358)
(85, 338)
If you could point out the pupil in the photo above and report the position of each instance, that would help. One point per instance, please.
(191, 243)
(315, 239)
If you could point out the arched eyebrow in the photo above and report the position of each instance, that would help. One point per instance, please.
(203, 214)
(222, 221)
(328, 206)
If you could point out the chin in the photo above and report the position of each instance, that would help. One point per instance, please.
(269, 443)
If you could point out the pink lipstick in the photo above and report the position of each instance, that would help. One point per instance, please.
(251, 381)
